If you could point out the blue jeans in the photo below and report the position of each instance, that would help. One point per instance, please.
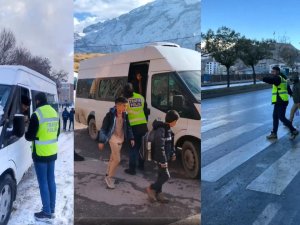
(134, 154)
(46, 179)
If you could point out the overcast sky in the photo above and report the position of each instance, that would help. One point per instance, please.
(43, 27)
(87, 12)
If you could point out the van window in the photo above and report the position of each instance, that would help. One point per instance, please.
(110, 89)
(165, 88)
(86, 88)
(159, 92)
(14, 106)
(50, 99)
(4, 94)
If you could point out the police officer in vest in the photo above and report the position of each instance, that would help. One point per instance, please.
(43, 131)
(138, 122)
(280, 100)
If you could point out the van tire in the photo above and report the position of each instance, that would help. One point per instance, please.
(7, 195)
(92, 129)
(191, 159)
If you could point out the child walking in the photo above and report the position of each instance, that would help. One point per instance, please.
(115, 130)
(163, 152)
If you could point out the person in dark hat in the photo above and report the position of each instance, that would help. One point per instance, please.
(43, 131)
(138, 121)
(163, 152)
(280, 100)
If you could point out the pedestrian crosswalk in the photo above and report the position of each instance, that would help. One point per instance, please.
(219, 139)
(267, 214)
(276, 175)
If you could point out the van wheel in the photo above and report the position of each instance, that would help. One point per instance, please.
(191, 159)
(7, 195)
(93, 129)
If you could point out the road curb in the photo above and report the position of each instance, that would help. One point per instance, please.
(213, 93)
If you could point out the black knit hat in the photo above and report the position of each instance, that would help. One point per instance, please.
(171, 116)
(41, 97)
(276, 68)
(121, 100)
(25, 100)
(128, 90)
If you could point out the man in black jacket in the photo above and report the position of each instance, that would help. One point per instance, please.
(163, 151)
(43, 131)
(137, 115)
(280, 97)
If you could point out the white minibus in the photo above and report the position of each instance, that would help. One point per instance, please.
(15, 151)
(171, 79)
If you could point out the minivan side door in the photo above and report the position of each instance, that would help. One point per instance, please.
(18, 148)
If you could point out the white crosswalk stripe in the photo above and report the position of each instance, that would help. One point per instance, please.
(276, 176)
(267, 214)
(214, 125)
(222, 138)
(224, 165)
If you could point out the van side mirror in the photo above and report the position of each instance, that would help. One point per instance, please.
(18, 125)
(178, 102)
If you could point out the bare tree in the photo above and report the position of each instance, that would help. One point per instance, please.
(7, 45)
(59, 76)
(289, 55)
(21, 56)
(12, 55)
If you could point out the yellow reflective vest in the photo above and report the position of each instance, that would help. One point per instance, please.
(282, 90)
(135, 110)
(47, 145)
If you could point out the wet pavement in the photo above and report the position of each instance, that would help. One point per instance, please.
(128, 202)
(245, 178)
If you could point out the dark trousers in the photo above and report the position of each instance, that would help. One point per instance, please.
(71, 123)
(46, 179)
(134, 154)
(163, 176)
(279, 114)
(65, 123)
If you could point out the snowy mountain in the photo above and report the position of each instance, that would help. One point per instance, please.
(176, 21)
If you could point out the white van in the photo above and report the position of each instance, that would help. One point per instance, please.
(15, 151)
(171, 80)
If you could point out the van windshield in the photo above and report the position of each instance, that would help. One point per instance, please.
(4, 94)
(193, 80)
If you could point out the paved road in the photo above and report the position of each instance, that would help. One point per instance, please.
(128, 203)
(246, 179)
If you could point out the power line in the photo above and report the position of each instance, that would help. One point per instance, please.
(138, 43)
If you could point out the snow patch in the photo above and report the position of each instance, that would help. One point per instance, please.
(28, 197)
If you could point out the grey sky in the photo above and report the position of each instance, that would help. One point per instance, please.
(43, 27)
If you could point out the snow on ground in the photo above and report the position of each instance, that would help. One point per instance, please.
(28, 197)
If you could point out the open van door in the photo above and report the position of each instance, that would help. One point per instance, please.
(141, 68)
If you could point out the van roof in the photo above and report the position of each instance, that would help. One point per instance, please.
(176, 59)
(10, 74)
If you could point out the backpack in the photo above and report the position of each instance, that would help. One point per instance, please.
(147, 147)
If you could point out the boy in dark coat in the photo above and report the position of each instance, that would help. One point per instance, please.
(163, 152)
(115, 129)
